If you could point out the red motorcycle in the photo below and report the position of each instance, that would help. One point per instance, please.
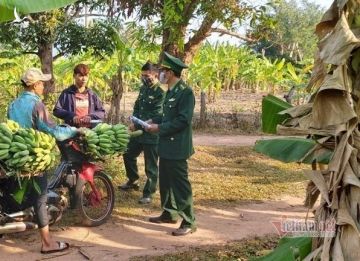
(89, 187)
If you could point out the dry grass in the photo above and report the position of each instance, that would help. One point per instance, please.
(234, 174)
(220, 177)
(241, 250)
(228, 101)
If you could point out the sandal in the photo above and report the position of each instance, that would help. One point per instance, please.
(62, 246)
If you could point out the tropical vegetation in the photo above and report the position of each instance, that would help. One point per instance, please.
(115, 44)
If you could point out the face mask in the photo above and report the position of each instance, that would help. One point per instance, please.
(162, 78)
(147, 81)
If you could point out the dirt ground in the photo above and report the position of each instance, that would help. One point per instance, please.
(230, 101)
(226, 140)
(122, 238)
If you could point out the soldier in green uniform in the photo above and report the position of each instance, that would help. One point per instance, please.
(175, 147)
(147, 106)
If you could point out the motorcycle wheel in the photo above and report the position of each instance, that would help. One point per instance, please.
(95, 212)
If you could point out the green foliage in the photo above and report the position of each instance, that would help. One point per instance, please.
(221, 66)
(28, 36)
(292, 35)
(271, 106)
(28, 6)
(241, 250)
(175, 17)
(129, 54)
(12, 66)
(68, 36)
(73, 38)
(290, 249)
(25, 185)
(293, 150)
(19, 194)
(215, 67)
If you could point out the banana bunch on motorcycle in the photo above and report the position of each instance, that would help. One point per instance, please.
(31, 151)
(25, 150)
(107, 139)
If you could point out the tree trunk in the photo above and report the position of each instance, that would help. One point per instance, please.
(209, 94)
(253, 87)
(214, 96)
(170, 45)
(170, 41)
(117, 90)
(231, 84)
(238, 86)
(176, 35)
(202, 109)
(281, 49)
(46, 60)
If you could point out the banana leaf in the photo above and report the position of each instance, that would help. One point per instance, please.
(19, 194)
(271, 106)
(24, 186)
(7, 7)
(293, 149)
(289, 249)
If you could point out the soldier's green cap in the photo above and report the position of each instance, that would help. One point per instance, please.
(173, 63)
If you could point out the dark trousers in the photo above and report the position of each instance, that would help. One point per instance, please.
(175, 191)
(151, 164)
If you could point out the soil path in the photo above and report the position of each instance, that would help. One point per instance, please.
(227, 140)
(122, 238)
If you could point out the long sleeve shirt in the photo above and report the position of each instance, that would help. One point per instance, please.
(30, 112)
(65, 107)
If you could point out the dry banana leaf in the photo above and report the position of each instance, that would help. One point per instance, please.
(336, 47)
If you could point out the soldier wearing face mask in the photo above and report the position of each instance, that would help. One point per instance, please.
(148, 106)
(175, 148)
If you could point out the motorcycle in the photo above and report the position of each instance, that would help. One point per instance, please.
(77, 182)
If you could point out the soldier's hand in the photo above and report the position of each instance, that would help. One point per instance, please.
(153, 128)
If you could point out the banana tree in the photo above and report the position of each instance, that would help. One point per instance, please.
(9, 9)
(207, 73)
(331, 119)
(295, 77)
(12, 66)
(124, 42)
(232, 55)
(252, 74)
(197, 76)
(273, 73)
(128, 58)
(101, 71)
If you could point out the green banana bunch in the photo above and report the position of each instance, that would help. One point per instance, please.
(107, 139)
(25, 150)
(92, 141)
(6, 137)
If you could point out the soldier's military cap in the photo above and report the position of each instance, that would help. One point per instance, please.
(173, 63)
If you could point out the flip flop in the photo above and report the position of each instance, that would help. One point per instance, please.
(62, 246)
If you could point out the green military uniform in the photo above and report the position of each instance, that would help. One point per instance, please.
(147, 106)
(175, 147)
